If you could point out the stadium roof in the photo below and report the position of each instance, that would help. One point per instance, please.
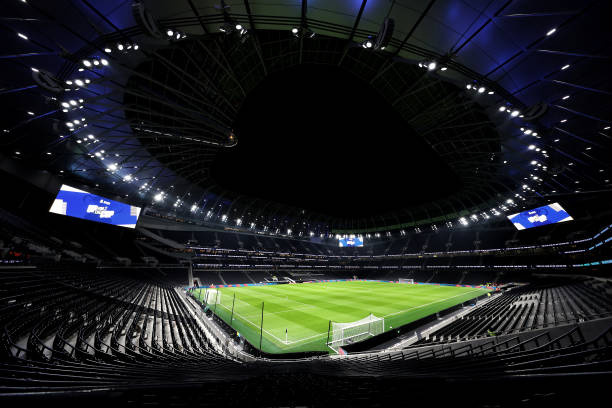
(102, 94)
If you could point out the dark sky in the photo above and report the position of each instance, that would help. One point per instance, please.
(319, 138)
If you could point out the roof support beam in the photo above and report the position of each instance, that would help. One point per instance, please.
(25, 88)
(29, 54)
(247, 6)
(195, 12)
(586, 88)
(415, 26)
(573, 54)
(302, 25)
(227, 68)
(541, 14)
(582, 114)
(454, 51)
(352, 34)
(411, 90)
(529, 48)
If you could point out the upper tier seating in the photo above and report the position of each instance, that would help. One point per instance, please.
(457, 241)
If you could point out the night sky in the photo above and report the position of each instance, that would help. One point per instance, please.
(319, 138)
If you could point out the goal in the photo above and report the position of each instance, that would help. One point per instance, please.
(342, 334)
(212, 296)
(402, 280)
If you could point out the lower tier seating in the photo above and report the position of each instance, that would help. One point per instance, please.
(68, 331)
(538, 305)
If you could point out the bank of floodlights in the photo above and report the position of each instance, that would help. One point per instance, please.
(382, 38)
(302, 32)
(175, 35)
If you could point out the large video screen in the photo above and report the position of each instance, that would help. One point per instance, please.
(77, 203)
(350, 242)
(549, 214)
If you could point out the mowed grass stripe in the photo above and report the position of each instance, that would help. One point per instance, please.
(344, 300)
(340, 308)
(274, 321)
(356, 298)
(301, 316)
(281, 314)
(305, 309)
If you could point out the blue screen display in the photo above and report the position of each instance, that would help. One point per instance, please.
(77, 203)
(350, 242)
(548, 214)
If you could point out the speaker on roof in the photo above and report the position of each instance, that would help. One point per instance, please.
(46, 80)
(555, 167)
(145, 20)
(384, 34)
(535, 111)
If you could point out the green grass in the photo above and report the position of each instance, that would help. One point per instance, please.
(304, 310)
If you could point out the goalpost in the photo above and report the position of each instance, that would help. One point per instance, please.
(212, 296)
(402, 280)
(341, 334)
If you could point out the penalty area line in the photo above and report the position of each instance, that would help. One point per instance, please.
(430, 303)
(253, 324)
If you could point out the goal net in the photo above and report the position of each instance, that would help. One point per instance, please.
(352, 332)
(212, 296)
(402, 280)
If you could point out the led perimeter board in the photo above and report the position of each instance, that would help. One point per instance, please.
(548, 214)
(77, 203)
(350, 242)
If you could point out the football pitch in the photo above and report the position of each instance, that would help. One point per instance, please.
(296, 317)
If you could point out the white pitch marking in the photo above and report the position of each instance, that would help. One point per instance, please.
(288, 310)
(430, 303)
(255, 325)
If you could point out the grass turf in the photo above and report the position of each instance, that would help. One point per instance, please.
(304, 310)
